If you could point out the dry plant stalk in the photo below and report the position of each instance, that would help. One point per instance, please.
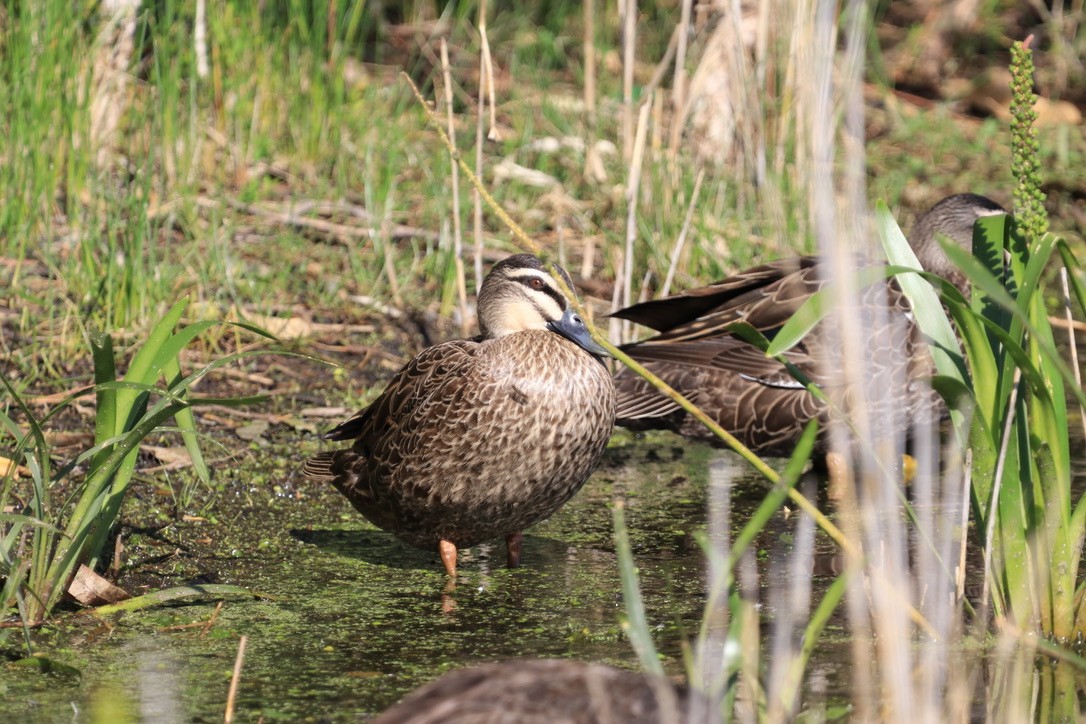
(231, 696)
(476, 199)
(629, 41)
(593, 165)
(633, 189)
(676, 253)
(1065, 292)
(199, 39)
(678, 89)
(458, 241)
(109, 82)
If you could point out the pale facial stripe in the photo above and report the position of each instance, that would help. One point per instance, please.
(549, 289)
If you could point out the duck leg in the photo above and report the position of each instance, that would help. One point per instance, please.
(512, 548)
(447, 549)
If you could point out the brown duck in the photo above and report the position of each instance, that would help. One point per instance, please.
(545, 691)
(754, 397)
(480, 438)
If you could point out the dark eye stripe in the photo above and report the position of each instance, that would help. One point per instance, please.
(547, 289)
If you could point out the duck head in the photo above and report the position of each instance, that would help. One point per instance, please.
(520, 294)
(953, 217)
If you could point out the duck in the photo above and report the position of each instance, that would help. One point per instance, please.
(544, 691)
(478, 439)
(756, 398)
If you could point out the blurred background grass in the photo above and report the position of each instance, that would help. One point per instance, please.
(298, 173)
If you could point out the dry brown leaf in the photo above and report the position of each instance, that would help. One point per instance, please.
(7, 465)
(177, 456)
(91, 589)
(253, 432)
(282, 327)
(323, 412)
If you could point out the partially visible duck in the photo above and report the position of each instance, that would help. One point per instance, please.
(541, 691)
(480, 438)
(755, 398)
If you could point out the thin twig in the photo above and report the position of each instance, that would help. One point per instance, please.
(996, 487)
(1070, 321)
(629, 40)
(211, 621)
(232, 694)
(633, 188)
(678, 90)
(343, 233)
(458, 240)
(679, 242)
(476, 197)
(662, 66)
(593, 165)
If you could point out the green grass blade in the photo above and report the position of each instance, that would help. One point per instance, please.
(187, 423)
(105, 416)
(777, 494)
(790, 687)
(637, 627)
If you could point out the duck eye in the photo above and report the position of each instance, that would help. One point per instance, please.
(535, 283)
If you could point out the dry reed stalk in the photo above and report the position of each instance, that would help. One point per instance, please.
(330, 28)
(880, 679)
(709, 655)
(588, 256)
(788, 621)
(615, 326)
(476, 198)
(458, 240)
(199, 39)
(109, 83)
(678, 86)
(593, 164)
(560, 230)
(629, 42)
(390, 268)
(633, 189)
(488, 63)
(676, 252)
(232, 694)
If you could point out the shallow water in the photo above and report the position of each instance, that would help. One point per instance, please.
(359, 618)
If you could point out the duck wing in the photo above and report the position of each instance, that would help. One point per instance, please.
(432, 377)
(720, 298)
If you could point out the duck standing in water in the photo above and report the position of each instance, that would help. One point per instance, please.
(480, 438)
(755, 397)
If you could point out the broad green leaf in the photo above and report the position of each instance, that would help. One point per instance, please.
(142, 367)
(178, 593)
(926, 305)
